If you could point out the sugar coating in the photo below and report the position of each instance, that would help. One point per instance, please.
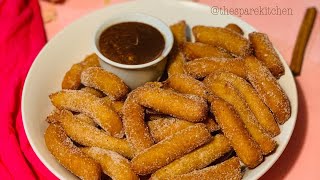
(199, 50)
(195, 160)
(105, 81)
(169, 149)
(268, 89)
(70, 156)
(175, 64)
(223, 37)
(202, 67)
(93, 91)
(265, 52)
(227, 92)
(90, 105)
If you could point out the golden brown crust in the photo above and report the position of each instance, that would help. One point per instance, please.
(197, 50)
(235, 28)
(112, 163)
(70, 156)
(202, 67)
(222, 37)
(105, 81)
(162, 153)
(195, 160)
(90, 105)
(233, 128)
(175, 63)
(265, 52)
(257, 106)
(268, 88)
(227, 92)
(93, 91)
(227, 170)
(72, 79)
(179, 32)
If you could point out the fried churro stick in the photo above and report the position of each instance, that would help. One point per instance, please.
(227, 92)
(87, 135)
(235, 28)
(176, 58)
(86, 119)
(222, 37)
(195, 160)
(227, 170)
(72, 78)
(163, 127)
(259, 109)
(202, 67)
(268, 88)
(105, 81)
(55, 117)
(113, 164)
(185, 106)
(265, 52)
(135, 128)
(90, 105)
(70, 156)
(187, 85)
(116, 105)
(170, 149)
(233, 128)
(199, 50)
(93, 91)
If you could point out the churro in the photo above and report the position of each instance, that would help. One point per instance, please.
(93, 91)
(227, 92)
(202, 67)
(196, 50)
(222, 37)
(90, 105)
(233, 128)
(105, 81)
(235, 28)
(70, 156)
(116, 105)
(113, 164)
(170, 149)
(227, 170)
(175, 64)
(179, 32)
(268, 88)
(265, 52)
(185, 106)
(136, 130)
(195, 160)
(72, 79)
(187, 85)
(257, 106)
(88, 135)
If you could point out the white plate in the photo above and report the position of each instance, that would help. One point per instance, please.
(75, 41)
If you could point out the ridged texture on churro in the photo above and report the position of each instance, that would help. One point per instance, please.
(113, 164)
(88, 135)
(233, 128)
(223, 37)
(227, 170)
(235, 28)
(197, 50)
(72, 79)
(170, 149)
(268, 88)
(265, 52)
(195, 160)
(105, 81)
(227, 92)
(185, 106)
(70, 156)
(136, 130)
(187, 85)
(257, 106)
(202, 67)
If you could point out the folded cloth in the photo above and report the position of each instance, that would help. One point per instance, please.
(21, 38)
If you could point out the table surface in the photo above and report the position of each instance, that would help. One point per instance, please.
(300, 157)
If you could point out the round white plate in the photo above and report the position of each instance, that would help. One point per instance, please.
(75, 41)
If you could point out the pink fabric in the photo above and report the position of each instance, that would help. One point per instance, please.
(21, 38)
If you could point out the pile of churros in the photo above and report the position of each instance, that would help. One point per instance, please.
(216, 113)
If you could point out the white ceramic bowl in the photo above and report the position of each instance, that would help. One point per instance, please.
(136, 75)
(61, 52)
